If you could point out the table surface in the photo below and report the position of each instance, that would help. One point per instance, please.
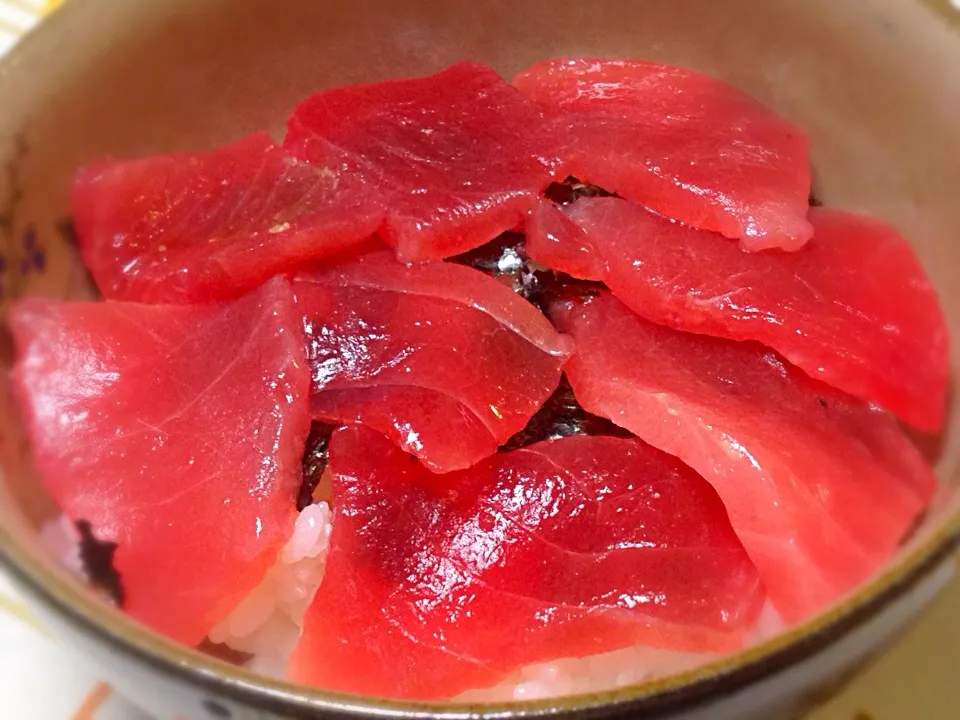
(918, 678)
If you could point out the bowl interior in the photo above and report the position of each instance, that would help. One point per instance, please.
(873, 81)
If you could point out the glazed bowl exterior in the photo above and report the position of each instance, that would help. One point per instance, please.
(873, 81)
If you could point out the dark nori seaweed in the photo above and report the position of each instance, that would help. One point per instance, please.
(314, 462)
(560, 416)
(490, 257)
(505, 259)
(571, 190)
(97, 559)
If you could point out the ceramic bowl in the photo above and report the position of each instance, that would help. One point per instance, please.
(874, 82)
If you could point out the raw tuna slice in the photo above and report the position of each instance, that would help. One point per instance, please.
(445, 361)
(691, 147)
(453, 156)
(853, 308)
(176, 432)
(567, 547)
(193, 228)
(820, 487)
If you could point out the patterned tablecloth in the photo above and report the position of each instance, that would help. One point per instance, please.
(40, 679)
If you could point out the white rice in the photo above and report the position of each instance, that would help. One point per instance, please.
(267, 623)
(572, 676)
(606, 671)
(62, 540)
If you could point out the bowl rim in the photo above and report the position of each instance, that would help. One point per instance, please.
(65, 598)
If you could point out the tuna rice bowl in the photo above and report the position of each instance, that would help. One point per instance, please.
(476, 389)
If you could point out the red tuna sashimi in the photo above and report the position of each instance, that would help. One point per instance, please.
(689, 146)
(446, 361)
(820, 487)
(853, 308)
(565, 548)
(194, 228)
(177, 432)
(453, 156)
